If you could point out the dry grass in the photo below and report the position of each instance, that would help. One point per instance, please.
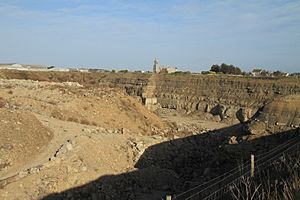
(280, 181)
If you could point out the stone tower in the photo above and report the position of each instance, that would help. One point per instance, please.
(156, 67)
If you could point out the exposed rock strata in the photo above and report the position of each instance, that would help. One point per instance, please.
(191, 93)
(223, 96)
(280, 115)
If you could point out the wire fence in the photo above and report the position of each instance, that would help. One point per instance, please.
(221, 185)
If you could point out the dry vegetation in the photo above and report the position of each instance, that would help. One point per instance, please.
(280, 180)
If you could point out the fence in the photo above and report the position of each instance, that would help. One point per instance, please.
(219, 186)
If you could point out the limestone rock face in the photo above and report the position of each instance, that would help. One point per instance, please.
(223, 96)
(191, 93)
(279, 115)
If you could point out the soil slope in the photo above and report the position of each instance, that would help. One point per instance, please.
(105, 107)
(22, 138)
(56, 136)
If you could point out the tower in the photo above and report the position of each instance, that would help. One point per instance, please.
(156, 67)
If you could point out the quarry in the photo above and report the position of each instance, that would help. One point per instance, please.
(103, 135)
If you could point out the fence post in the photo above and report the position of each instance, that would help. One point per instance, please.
(168, 197)
(252, 166)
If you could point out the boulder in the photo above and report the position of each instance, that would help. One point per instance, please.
(219, 110)
(232, 140)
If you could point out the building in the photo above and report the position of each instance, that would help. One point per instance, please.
(156, 67)
(30, 67)
(260, 72)
(12, 66)
(166, 69)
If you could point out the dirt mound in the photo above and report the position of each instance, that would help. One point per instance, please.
(79, 154)
(113, 111)
(22, 137)
(280, 115)
(69, 101)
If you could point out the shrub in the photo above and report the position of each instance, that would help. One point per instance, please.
(72, 119)
(2, 102)
(84, 121)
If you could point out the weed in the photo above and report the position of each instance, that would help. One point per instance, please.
(2, 102)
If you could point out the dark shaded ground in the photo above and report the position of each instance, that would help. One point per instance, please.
(177, 165)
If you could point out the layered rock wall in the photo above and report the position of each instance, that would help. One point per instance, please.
(280, 115)
(230, 98)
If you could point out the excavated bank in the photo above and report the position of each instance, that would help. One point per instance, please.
(279, 115)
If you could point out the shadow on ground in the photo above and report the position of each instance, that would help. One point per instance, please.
(176, 165)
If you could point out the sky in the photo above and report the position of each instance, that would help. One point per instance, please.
(128, 34)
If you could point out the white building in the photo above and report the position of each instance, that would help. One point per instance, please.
(156, 67)
(166, 69)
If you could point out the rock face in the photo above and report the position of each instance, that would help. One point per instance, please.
(190, 93)
(280, 115)
(233, 99)
(223, 96)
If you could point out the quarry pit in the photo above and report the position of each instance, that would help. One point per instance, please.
(73, 135)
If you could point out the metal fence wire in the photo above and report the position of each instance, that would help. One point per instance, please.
(219, 187)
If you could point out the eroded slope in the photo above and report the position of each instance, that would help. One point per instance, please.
(22, 138)
(105, 107)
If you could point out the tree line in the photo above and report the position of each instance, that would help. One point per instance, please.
(226, 69)
(231, 69)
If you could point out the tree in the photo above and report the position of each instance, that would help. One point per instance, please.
(123, 71)
(230, 69)
(215, 68)
(278, 73)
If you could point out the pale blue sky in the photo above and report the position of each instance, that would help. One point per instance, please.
(189, 34)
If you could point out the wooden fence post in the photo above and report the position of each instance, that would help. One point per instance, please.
(252, 166)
